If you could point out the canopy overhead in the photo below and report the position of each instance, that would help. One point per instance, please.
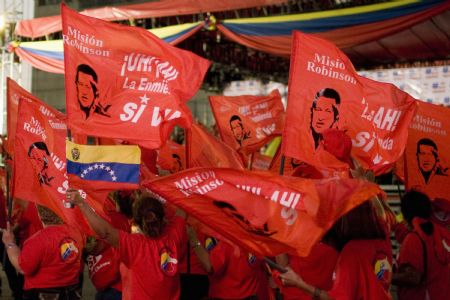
(383, 33)
(42, 26)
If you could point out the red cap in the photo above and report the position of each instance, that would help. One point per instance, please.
(338, 143)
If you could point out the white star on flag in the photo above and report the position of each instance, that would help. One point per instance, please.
(107, 168)
(95, 166)
(144, 99)
(102, 166)
(85, 171)
(114, 178)
(91, 168)
(112, 172)
(82, 175)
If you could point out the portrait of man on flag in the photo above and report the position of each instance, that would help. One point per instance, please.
(40, 156)
(324, 113)
(88, 93)
(237, 128)
(428, 160)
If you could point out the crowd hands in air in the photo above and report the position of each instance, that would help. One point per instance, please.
(147, 249)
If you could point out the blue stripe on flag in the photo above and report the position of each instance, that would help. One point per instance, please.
(49, 54)
(104, 171)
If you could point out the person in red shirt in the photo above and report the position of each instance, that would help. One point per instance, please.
(151, 256)
(233, 272)
(363, 270)
(424, 258)
(50, 259)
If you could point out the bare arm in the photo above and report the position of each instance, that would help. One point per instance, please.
(407, 276)
(103, 229)
(200, 251)
(11, 248)
(290, 278)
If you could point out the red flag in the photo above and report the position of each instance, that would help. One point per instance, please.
(326, 92)
(428, 151)
(40, 164)
(261, 162)
(204, 150)
(124, 82)
(14, 93)
(171, 157)
(261, 212)
(248, 122)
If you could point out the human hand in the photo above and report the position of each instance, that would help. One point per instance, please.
(8, 235)
(290, 278)
(73, 196)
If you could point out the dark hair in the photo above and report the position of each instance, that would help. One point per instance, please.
(328, 93)
(416, 204)
(426, 142)
(176, 156)
(124, 199)
(40, 146)
(361, 223)
(47, 216)
(234, 118)
(149, 215)
(86, 70)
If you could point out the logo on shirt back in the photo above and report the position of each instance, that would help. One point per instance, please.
(383, 269)
(168, 263)
(251, 259)
(68, 250)
(210, 243)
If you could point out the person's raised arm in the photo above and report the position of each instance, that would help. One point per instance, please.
(200, 251)
(11, 248)
(103, 229)
(290, 278)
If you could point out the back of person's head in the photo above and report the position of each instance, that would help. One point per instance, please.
(149, 215)
(417, 204)
(124, 200)
(48, 217)
(363, 222)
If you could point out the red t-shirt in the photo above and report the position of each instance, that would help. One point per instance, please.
(363, 271)
(316, 269)
(153, 263)
(235, 275)
(104, 269)
(52, 257)
(437, 278)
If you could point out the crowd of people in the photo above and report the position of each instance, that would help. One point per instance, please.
(146, 249)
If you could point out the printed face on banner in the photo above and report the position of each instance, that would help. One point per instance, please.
(325, 92)
(87, 92)
(124, 82)
(242, 220)
(238, 130)
(427, 151)
(40, 156)
(247, 122)
(324, 113)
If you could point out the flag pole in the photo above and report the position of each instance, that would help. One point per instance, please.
(283, 158)
(250, 161)
(187, 164)
(9, 200)
(69, 138)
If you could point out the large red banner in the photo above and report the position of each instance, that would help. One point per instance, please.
(326, 92)
(246, 122)
(427, 153)
(261, 212)
(205, 150)
(124, 82)
(14, 93)
(40, 164)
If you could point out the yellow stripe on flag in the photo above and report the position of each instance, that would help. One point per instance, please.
(125, 154)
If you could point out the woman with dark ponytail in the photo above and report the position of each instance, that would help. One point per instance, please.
(424, 258)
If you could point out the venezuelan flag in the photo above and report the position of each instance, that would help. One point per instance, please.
(103, 167)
